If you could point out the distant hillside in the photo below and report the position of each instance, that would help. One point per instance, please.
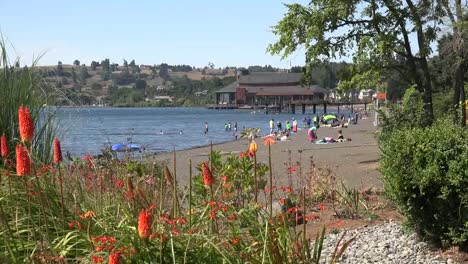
(106, 83)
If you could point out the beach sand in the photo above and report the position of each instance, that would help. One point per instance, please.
(354, 162)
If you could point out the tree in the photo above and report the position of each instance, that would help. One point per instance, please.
(164, 71)
(59, 68)
(74, 74)
(94, 65)
(83, 75)
(76, 63)
(140, 84)
(376, 34)
(132, 63)
(455, 49)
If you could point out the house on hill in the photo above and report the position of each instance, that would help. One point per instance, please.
(274, 89)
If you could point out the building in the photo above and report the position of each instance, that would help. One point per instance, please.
(269, 89)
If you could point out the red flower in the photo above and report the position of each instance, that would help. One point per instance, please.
(312, 217)
(57, 152)
(26, 125)
(4, 147)
(235, 241)
(293, 210)
(336, 224)
(96, 259)
(242, 154)
(208, 178)
(322, 207)
(75, 223)
(115, 258)
(144, 224)
(119, 183)
(286, 189)
(291, 169)
(23, 163)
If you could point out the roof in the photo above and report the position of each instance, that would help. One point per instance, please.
(275, 90)
(270, 78)
(231, 88)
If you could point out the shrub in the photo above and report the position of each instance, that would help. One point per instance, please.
(425, 171)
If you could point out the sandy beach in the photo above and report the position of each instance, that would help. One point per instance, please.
(355, 162)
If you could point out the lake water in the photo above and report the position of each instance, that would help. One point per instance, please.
(88, 130)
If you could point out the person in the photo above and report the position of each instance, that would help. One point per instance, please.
(294, 125)
(161, 132)
(312, 134)
(279, 126)
(272, 125)
(235, 126)
(225, 126)
(181, 132)
(309, 121)
(288, 126)
(206, 127)
(315, 120)
(235, 135)
(340, 137)
(229, 126)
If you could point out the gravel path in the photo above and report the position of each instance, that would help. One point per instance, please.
(386, 243)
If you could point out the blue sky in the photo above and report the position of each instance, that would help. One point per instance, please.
(227, 33)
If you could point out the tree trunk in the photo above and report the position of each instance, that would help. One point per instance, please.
(462, 97)
(456, 92)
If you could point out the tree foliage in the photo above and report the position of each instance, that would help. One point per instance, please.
(376, 34)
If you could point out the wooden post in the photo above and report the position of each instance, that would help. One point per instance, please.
(314, 109)
(338, 105)
(324, 108)
(303, 108)
(293, 108)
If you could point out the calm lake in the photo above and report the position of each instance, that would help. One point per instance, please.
(88, 130)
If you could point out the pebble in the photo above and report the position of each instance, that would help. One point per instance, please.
(385, 243)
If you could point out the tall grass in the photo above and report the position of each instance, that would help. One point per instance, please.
(24, 86)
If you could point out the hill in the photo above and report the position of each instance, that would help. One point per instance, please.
(106, 83)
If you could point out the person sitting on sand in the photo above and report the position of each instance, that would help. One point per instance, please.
(340, 137)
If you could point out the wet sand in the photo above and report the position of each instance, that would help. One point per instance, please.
(355, 162)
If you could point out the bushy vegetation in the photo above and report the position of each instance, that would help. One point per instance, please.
(425, 172)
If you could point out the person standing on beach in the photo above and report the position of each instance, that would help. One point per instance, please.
(280, 127)
(206, 127)
(272, 125)
(294, 125)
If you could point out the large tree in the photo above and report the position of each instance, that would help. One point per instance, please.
(378, 35)
(454, 49)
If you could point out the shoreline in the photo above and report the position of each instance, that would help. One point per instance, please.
(355, 162)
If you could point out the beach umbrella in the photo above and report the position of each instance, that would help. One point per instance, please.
(329, 117)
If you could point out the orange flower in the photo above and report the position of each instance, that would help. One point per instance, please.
(88, 214)
(23, 163)
(57, 152)
(26, 125)
(144, 224)
(115, 258)
(269, 141)
(208, 178)
(4, 147)
(253, 147)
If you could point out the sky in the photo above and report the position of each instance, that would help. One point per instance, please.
(226, 33)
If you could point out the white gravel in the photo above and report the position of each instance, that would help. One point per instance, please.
(386, 243)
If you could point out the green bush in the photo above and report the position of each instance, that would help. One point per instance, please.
(425, 172)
